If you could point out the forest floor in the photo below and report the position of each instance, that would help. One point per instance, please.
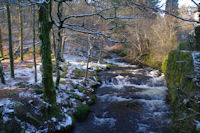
(21, 100)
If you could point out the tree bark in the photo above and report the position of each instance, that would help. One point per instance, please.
(35, 64)
(88, 61)
(44, 34)
(2, 74)
(21, 33)
(10, 43)
(1, 45)
(100, 54)
(54, 42)
(58, 57)
(59, 43)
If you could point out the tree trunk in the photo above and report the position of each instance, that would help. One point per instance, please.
(1, 45)
(35, 65)
(20, 33)
(10, 43)
(63, 46)
(88, 61)
(59, 43)
(44, 34)
(2, 74)
(54, 43)
(100, 54)
(58, 57)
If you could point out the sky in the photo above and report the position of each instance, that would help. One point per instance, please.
(184, 2)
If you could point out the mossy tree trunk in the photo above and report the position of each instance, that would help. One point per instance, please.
(2, 74)
(44, 34)
(10, 43)
(21, 33)
(197, 37)
(59, 43)
(1, 45)
(33, 24)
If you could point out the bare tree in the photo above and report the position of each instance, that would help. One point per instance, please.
(21, 39)
(33, 27)
(10, 42)
(1, 45)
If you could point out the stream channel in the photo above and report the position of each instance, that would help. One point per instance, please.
(131, 99)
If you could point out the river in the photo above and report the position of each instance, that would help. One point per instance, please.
(131, 99)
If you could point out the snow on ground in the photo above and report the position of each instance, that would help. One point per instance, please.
(68, 94)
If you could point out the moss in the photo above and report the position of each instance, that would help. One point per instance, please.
(98, 69)
(33, 119)
(164, 64)
(29, 66)
(79, 72)
(177, 67)
(150, 61)
(74, 77)
(63, 75)
(81, 112)
(179, 70)
(76, 96)
(92, 100)
(63, 82)
(197, 37)
(121, 52)
(80, 89)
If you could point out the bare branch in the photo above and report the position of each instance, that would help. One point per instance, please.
(163, 11)
(195, 3)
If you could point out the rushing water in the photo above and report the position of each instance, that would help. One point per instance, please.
(130, 100)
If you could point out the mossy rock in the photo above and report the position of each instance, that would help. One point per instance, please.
(81, 112)
(11, 127)
(63, 75)
(79, 73)
(74, 77)
(63, 82)
(92, 100)
(76, 96)
(98, 69)
(109, 66)
(81, 89)
(33, 119)
(177, 67)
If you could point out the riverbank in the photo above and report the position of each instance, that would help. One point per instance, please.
(22, 104)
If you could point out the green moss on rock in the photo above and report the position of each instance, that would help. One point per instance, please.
(81, 112)
(179, 73)
(92, 100)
